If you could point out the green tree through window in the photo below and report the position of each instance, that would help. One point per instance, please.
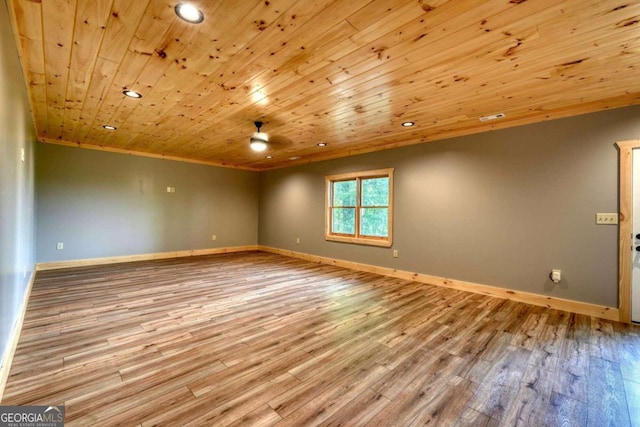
(344, 207)
(374, 213)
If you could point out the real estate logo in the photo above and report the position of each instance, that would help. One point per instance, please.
(32, 416)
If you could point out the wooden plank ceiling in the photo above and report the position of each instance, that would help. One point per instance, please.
(343, 72)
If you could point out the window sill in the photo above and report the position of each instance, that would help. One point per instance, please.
(360, 241)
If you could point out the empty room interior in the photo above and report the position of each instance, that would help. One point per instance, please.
(337, 213)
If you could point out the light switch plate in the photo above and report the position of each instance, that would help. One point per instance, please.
(606, 218)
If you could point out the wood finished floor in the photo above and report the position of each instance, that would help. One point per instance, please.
(257, 339)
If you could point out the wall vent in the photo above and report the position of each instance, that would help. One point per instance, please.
(492, 117)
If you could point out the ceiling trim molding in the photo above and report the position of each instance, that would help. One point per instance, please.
(142, 154)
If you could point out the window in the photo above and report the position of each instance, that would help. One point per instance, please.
(359, 207)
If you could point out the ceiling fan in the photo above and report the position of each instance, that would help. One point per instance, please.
(258, 141)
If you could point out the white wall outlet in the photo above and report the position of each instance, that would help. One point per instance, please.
(606, 218)
(395, 253)
(297, 241)
(213, 237)
(59, 245)
(556, 275)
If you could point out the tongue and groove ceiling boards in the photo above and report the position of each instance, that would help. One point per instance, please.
(347, 73)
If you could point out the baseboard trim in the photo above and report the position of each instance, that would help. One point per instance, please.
(603, 312)
(5, 366)
(142, 257)
(594, 310)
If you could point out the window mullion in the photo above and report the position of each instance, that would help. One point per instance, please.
(358, 205)
(357, 221)
(331, 206)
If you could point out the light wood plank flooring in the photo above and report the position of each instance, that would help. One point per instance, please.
(257, 339)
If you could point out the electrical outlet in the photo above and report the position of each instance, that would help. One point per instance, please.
(213, 237)
(606, 218)
(59, 246)
(395, 253)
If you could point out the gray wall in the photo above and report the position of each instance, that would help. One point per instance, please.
(500, 208)
(16, 185)
(101, 204)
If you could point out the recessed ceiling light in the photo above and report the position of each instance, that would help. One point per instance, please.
(408, 124)
(132, 94)
(109, 127)
(269, 157)
(294, 158)
(321, 144)
(189, 13)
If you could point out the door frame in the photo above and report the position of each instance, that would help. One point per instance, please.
(625, 227)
